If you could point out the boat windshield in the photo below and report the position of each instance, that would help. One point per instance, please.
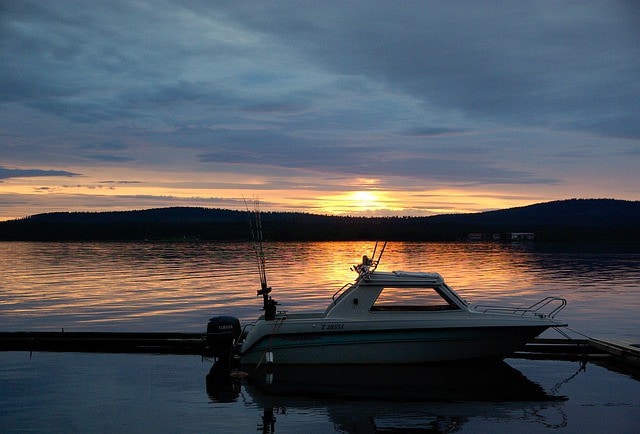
(412, 299)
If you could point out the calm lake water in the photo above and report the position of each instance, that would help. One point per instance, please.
(179, 286)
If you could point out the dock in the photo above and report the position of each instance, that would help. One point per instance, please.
(615, 354)
(579, 349)
(105, 342)
(623, 354)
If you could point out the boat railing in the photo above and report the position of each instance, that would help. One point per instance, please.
(339, 292)
(534, 309)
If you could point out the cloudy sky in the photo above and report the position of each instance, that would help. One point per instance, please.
(360, 107)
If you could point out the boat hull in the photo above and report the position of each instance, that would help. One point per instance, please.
(406, 346)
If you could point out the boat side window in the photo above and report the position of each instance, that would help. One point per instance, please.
(412, 299)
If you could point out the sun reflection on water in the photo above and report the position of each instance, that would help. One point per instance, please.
(178, 286)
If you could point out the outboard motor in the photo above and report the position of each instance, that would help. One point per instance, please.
(222, 334)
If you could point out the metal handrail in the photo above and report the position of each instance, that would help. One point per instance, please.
(533, 309)
(346, 285)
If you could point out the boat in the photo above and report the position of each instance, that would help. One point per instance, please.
(384, 317)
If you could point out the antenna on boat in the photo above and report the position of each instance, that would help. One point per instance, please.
(269, 304)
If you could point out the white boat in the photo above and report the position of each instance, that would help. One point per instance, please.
(396, 317)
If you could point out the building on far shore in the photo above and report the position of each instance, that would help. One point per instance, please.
(522, 236)
(475, 236)
(510, 236)
(480, 236)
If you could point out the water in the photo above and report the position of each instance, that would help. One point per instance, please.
(178, 286)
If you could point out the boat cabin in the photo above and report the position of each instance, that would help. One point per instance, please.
(397, 291)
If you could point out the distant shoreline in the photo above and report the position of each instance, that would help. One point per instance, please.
(574, 220)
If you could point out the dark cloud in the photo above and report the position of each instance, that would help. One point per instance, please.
(430, 131)
(568, 65)
(112, 145)
(6, 173)
(367, 162)
(108, 158)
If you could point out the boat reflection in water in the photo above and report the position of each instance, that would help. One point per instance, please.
(368, 398)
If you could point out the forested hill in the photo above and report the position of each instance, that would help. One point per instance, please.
(568, 220)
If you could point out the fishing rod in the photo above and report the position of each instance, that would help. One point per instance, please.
(269, 304)
(377, 261)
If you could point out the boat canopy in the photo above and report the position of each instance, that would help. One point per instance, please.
(395, 291)
(403, 277)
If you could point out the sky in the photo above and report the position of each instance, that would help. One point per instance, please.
(333, 107)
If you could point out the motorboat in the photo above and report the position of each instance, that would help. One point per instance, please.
(384, 317)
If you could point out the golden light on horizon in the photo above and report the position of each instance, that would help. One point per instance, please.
(358, 202)
(102, 189)
(364, 200)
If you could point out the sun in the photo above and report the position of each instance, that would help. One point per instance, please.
(364, 200)
(357, 202)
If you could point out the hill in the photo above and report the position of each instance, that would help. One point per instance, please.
(568, 220)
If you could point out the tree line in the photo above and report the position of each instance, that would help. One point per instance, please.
(570, 220)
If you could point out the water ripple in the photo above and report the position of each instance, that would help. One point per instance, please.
(178, 286)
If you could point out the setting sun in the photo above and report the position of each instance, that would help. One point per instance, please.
(364, 200)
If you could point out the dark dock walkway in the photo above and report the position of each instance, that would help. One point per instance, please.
(580, 349)
(624, 354)
(104, 342)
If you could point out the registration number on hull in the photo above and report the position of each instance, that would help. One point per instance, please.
(332, 326)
